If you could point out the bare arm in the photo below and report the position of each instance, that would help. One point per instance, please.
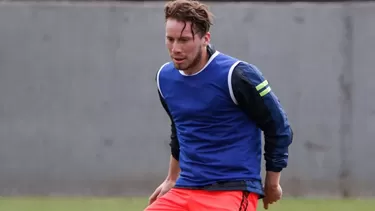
(174, 170)
(272, 179)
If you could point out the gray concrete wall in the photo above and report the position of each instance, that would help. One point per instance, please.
(79, 113)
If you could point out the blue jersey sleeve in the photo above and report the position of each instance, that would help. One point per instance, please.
(256, 98)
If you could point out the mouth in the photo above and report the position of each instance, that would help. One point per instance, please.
(178, 60)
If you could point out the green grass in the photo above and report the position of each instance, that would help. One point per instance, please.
(138, 204)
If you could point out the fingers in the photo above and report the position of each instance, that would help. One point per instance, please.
(270, 198)
(154, 196)
(151, 199)
(265, 203)
(157, 194)
(160, 194)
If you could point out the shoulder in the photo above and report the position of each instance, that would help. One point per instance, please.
(248, 72)
(163, 67)
(237, 67)
(247, 78)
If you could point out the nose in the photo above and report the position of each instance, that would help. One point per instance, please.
(176, 48)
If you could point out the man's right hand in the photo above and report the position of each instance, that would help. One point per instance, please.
(161, 190)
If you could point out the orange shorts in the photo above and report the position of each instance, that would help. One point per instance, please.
(202, 200)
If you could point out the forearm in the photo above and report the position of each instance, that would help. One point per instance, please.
(272, 178)
(174, 170)
(276, 149)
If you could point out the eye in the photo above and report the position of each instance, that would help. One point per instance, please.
(184, 39)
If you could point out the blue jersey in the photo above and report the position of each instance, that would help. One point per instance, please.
(216, 135)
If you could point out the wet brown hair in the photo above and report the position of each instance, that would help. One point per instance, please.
(190, 11)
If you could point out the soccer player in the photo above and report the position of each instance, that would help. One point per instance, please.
(218, 106)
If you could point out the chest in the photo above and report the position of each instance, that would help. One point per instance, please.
(187, 99)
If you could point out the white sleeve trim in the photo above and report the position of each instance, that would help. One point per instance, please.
(230, 73)
(157, 79)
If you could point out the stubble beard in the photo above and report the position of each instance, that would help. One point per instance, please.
(193, 64)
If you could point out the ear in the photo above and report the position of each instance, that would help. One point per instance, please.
(207, 39)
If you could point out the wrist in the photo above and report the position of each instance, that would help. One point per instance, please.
(171, 179)
(271, 186)
(272, 179)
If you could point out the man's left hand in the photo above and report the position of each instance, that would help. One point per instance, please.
(272, 195)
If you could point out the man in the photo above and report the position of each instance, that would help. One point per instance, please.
(218, 106)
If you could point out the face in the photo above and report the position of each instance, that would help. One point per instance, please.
(184, 48)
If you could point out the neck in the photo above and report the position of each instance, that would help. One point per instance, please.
(199, 66)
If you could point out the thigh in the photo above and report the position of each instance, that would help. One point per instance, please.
(173, 200)
(223, 201)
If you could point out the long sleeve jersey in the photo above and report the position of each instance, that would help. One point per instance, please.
(253, 95)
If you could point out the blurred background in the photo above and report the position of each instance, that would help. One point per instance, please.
(80, 115)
